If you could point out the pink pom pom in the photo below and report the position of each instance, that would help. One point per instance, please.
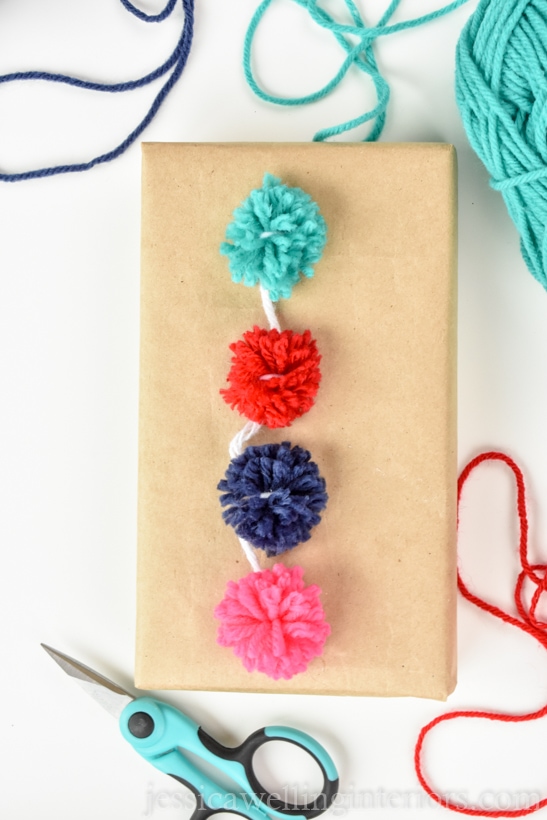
(273, 622)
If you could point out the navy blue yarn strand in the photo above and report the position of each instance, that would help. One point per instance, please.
(150, 18)
(176, 61)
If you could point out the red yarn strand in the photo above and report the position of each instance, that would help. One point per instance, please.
(527, 622)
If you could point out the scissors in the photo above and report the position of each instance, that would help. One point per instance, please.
(162, 734)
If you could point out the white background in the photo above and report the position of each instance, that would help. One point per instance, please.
(69, 333)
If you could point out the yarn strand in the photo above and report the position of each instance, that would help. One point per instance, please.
(176, 62)
(250, 554)
(269, 310)
(150, 18)
(246, 433)
(527, 622)
(360, 55)
(235, 448)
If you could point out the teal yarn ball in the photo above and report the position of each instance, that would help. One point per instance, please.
(501, 91)
(276, 236)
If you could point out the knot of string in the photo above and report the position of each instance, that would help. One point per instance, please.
(357, 41)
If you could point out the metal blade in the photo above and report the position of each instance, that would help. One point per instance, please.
(108, 694)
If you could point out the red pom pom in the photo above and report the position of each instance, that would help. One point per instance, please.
(274, 376)
(273, 622)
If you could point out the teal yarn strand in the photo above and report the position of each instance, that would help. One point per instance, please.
(501, 91)
(357, 40)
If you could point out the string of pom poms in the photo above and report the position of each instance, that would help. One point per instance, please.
(501, 90)
(172, 69)
(527, 621)
(357, 41)
(273, 494)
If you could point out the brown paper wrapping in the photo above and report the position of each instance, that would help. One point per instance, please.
(382, 308)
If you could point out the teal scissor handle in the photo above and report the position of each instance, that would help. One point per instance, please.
(161, 734)
(272, 804)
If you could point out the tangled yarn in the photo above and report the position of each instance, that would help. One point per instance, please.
(277, 234)
(274, 623)
(273, 495)
(357, 37)
(274, 376)
(501, 90)
(529, 588)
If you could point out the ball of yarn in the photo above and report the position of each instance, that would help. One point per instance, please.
(274, 623)
(273, 495)
(274, 376)
(501, 90)
(277, 235)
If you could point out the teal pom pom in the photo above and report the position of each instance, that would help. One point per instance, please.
(277, 235)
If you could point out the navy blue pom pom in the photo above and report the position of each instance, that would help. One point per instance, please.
(273, 495)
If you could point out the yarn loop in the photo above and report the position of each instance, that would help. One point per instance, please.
(527, 622)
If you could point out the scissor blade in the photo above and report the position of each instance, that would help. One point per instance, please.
(108, 694)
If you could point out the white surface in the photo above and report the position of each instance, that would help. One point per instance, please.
(69, 287)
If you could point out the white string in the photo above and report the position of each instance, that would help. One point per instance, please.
(269, 309)
(251, 428)
(237, 443)
(250, 555)
(236, 448)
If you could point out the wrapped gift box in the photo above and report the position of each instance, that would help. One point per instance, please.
(383, 429)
